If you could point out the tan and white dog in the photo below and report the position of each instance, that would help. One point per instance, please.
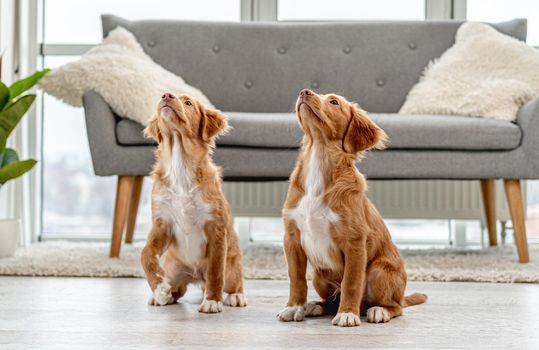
(330, 222)
(191, 219)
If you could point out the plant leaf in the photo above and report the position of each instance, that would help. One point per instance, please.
(9, 156)
(14, 170)
(10, 117)
(22, 85)
(3, 141)
(4, 95)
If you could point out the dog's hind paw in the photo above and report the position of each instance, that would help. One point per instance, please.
(292, 313)
(346, 319)
(378, 314)
(314, 309)
(210, 306)
(235, 299)
(162, 295)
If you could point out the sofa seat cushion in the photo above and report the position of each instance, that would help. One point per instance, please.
(431, 132)
(428, 132)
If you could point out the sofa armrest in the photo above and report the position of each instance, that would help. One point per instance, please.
(528, 121)
(100, 126)
(109, 157)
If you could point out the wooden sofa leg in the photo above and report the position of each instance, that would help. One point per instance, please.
(123, 196)
(516, 209)
(133, 209)
(489, 204)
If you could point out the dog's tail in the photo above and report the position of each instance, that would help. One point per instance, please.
(414, 299)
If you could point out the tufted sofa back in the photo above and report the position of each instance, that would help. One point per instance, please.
(260, 67)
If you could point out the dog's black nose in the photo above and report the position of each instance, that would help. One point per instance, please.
(306, 92)
(167, 96)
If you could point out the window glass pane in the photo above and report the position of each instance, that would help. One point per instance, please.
(76, 202)
(68, 21)
(350, 9)
(503, 10)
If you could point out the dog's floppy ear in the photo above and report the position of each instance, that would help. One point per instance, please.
(213, 123)
(152, 130)
(362, 133)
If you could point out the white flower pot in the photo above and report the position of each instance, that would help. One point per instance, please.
(10, 230)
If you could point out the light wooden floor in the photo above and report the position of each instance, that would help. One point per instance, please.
(71, 313)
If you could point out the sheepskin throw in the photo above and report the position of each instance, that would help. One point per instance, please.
(485, 74)
(119, 70)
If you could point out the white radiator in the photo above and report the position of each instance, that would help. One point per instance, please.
(414, 199)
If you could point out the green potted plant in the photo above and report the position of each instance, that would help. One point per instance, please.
(13, 105)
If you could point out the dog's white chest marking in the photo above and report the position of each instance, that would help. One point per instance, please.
(313, 218)
(182, 206)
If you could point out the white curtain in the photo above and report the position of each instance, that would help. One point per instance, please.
(20, 199)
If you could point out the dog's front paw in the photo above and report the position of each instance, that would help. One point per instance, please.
(378, 314)
(346, 319)
(235, 299)
(292, 313)
(210, 306)
(162, 295)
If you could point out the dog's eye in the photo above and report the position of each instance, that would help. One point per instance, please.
(188, 103)
(334, 102)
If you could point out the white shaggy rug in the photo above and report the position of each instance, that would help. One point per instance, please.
(82, 259)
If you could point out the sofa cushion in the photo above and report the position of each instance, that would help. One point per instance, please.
(281, 130)
(463, 82)
(448, 132)
(131, 133)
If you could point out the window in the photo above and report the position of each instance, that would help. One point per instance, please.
(82, 17)
(502, 10)
(350, 9)
(68, 176)
(76, 203)
(498, 11)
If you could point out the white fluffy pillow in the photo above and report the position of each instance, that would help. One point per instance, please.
(485, 74)
(119, 70)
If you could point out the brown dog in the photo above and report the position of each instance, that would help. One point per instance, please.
(191, 219)
(330, 222)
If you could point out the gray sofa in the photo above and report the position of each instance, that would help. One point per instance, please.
(253, 72)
